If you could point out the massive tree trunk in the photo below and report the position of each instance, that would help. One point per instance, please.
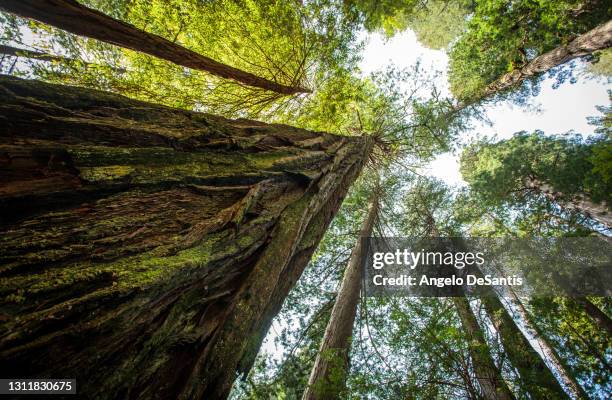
(580, 202)
(328, 376)
(73, 17)
(599, 38)
(535, 376)
(143, 249)
(562, 370)
(489, 377)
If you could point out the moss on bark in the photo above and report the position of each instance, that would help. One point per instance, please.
(144, 250)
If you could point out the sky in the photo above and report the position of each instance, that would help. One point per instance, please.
(559, 111)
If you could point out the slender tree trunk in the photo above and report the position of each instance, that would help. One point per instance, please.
(600, 318)
(580, 202)
(599, 38)
(488, 375)
(73, 17)
(16, 52)
(563, 371)
(535, 376)
(37, 55)
(328, 376)
(144, 250)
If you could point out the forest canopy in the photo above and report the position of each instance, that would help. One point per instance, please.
(187, 186)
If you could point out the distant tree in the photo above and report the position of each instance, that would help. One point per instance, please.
(534, 167)
(506, 43)
(73, 17)
(328, 377)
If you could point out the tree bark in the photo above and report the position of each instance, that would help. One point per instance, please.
(534, 374)
(144, 250)
(73, 17)
(328, 376)
(599, 38)
(580, 202)
(600, 318)
(37, 55)
(565, 375)
(489, 377)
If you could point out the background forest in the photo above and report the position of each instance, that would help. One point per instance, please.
(300, 63)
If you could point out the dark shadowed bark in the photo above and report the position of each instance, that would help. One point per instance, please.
(328, 376)
(73, 17)
(599, 38)
(144, 250)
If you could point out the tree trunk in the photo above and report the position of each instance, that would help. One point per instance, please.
(600, 318)
(328, 376)
(37, 55)
(534, 374)
(580, 202)
(599, 38)
(565, 375)
(488, 375)
(73, 17)
(143, 249)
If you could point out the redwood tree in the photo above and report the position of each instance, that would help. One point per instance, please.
(144, 249)
(328, 376)
(73, 17)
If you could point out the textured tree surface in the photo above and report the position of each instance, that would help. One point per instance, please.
(144, 250)
(599, 38)
(73, 17)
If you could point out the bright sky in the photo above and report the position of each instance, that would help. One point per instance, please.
(560, 110)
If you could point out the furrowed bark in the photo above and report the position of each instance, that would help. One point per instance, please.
(599, 38)
(328, 376)
(73, 17)
(143, 249)
(536, 378)
(489, 377)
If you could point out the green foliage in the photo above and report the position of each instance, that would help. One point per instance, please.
(500, 172)
(435, 22)
(282, 41)
(502, 36)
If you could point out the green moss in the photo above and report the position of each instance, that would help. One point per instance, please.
(106, 173)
